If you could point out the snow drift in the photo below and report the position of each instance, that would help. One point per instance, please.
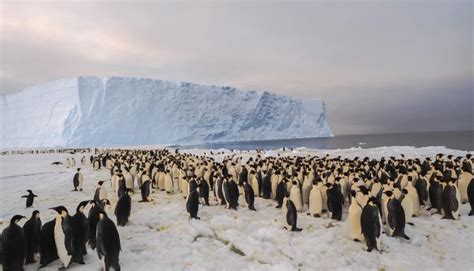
(117, 111)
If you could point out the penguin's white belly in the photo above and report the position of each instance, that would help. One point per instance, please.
(59, 240)
(354, 223)
(315, 202)
(295, 196)
(407, 205)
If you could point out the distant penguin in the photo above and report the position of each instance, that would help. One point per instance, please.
(77, 180)
(470, 195)
(315, 201)
(451, 201)
(108, 242)
(14, 245)
(48, 250)
(334, 201)
(354, 219)
(80, 233)
(63, 235)
(249, 196)
(291, 216)
(123, 208)
(371, 225)
(29, 198)
(32, 230)
(192, 202)
(295, 196)
(204, 191)
(408, 206)
(281, 192)
(395, 217)
(145, 191)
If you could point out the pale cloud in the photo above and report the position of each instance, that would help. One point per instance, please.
(372, 62)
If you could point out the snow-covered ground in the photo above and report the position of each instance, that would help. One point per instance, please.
(160, 235)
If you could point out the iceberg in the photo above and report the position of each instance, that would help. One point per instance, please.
(121, 111)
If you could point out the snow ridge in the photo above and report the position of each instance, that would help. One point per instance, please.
(119, 111)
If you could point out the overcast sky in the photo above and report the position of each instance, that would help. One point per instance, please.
(399, 66)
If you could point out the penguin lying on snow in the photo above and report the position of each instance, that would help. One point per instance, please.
(13, 245)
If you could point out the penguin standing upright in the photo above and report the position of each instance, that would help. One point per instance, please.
(291, 216)
(407, 205)
(93, 218)
(281, 192)
(218, 192)
(123, 208)
(32, 230)
(335, 201)
(122, 187)
(108, 242)
(13, 245)
(422, 191)
(395, 217)
(204, 191)
(315, 200)
(295, 196)
(77, 180)
(371, 225)
(435, 192)
(470, 195)
(450, 201)
(80, 233)
(145, 191)
(63, 235)
(249, 196)
(231, 193)
(463, 182)
(192, 202)
(266, 185)
(29, 198)
(354, 219)
(48, 250)
(100, 192)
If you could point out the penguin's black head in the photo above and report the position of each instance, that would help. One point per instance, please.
(353, 193)
(388, 193)
(82, 204)
(468, 156)
(16, 218)
(100, 183)
(29, 191)
(295, 183)
(78, 169)
(59, 209)
(35, 213)
(405, 191)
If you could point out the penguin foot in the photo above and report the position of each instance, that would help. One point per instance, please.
(357, 240)
(296, 229)
(411, 223)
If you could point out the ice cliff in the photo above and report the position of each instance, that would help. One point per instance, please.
(117, 111)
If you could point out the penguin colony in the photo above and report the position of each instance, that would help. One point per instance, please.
(382, 196)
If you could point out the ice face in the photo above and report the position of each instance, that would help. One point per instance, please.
(118, 111)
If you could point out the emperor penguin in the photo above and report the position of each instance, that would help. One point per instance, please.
(435, 191)
(371, 225)
(168, 183)
(78, 180)
(275, 179)
(192, 202)
(29, 198)
(464, 179)
(204, 191)
(249, 196)
(145, 191)
(63, 235)
(413, 194)
(422, 190)
(450, 200)
(354, 219)
(218, 192)
(108, 242)
(395, 216)
(334, 201)
(32, 230)
(315, 200)
(306, 189)
(407, 205)
(80, 233)
(93, 218)
(123, 208)
(128, 180)
(295, 196)
(290, 216)
(100, 192)
(266, 185)
(47, 245)
(281, 192)
(14, 245)
(470, 195)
